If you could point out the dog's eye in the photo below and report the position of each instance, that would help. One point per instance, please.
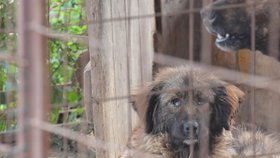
(176, 102)
(200, 101)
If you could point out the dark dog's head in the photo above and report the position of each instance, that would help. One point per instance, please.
(231, 21)
(179, 103)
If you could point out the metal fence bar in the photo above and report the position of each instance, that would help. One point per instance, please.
(224, 73)
(65, 101)
(33, 103)
(33, 100)
(273, 31)
(9, 118)
(206, 41)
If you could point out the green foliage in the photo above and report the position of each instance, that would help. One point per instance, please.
(3, 76)
(54, 115)
(7, 23)
(66, 17)
(7, 69)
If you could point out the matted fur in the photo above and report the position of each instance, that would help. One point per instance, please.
(155, 139)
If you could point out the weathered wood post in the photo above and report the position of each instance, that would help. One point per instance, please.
(121, 53)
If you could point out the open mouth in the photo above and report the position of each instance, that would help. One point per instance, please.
(190, 141)
(222, 38)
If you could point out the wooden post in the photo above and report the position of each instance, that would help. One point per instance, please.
(87, 93)
(121, 54)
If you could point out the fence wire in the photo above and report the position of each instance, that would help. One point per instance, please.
(69, 49)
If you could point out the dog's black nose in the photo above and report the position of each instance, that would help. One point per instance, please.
(190, 125)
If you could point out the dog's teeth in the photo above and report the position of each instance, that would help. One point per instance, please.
(220, 36)
(190, 142)
(227, 35)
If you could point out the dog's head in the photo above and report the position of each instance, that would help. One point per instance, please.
(231, 21)
(179, 102)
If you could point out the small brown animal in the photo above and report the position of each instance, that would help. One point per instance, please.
(187, 113)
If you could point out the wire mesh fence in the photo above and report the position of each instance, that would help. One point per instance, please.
(53, 105)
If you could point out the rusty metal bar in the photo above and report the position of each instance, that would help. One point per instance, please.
(206, 41)
(224, 73)
(169, 14)
(252, 95)
(65, 102)
(57, 35)
(4, 56)
(33, 103)
(10, 48)
(273, 31)
(191, 58)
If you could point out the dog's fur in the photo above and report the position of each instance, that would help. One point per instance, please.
(180, 98)
(234, 25)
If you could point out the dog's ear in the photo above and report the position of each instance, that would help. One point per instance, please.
(227, 101)
(153, 101)
(146, 103)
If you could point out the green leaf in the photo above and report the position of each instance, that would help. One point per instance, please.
(73, 96)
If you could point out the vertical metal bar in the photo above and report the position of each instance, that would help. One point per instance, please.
(128, 47)
(65, 76)
(206, 41)
(140, 41)
(273, 49)
(8, 29)
(273, 31)
(65, 102)
(10, 48)
(191, 58)
(191, 31)
(33, 103)
(65, 71)
(253, 71)
(206, 58)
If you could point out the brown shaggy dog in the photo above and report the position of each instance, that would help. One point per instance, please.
(189, 113)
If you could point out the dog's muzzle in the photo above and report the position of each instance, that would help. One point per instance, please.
(190, 129)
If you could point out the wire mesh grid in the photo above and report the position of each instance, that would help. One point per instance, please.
(128, 41)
